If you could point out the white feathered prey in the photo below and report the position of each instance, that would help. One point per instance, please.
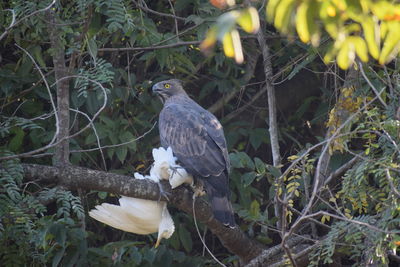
(141, 216)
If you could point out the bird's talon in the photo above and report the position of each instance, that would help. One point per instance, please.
(162, 193)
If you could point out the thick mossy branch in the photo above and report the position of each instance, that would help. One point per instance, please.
(74, 177)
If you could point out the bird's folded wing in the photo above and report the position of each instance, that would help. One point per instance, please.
(186, 133)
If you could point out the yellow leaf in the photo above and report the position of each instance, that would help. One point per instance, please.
(345, 55)
(370, 33)
(209, 41)
(392, 43)
(360, 47)
(271, 8)
(330, 55)
(237, 45)
(293, 157)
(331, 11)
(302, 22)
(249, 20)
(384, 28)
(227, 45)
(283, 15)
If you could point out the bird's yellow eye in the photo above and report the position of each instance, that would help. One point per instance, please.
(167, 85)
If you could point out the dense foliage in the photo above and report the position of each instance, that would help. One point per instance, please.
(337, 182)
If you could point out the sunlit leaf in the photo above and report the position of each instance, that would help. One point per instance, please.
(283, 15)
(249, 20)
(370, 33)
(360, 47)
(271, 9)
(391, 44)
(227, 45)
(346, 55)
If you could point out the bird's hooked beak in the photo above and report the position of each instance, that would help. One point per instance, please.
(160, 236)
(158, 90)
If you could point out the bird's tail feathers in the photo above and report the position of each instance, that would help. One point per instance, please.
(223, 211)
(218, 191)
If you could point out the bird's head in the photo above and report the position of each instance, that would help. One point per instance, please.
(166, 227)
(168, 88)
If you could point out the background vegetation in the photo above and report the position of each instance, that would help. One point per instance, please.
(312, 123)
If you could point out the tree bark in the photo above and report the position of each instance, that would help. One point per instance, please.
(61, 156)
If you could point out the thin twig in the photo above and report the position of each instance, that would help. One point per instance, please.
(116, 145)
(175, 20)
(198, 232)
(372, 86)
(317, 179)
(53, 105)
(390, 179)
(50, 145)
(95, 133)
(145, 8)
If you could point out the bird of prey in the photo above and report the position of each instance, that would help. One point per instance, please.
(197, 140)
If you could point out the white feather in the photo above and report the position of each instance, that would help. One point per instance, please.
(178, 176)
(141, 216)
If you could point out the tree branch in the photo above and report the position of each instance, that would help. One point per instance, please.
(74, 177)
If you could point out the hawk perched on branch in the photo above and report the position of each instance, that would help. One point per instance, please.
(197, 140)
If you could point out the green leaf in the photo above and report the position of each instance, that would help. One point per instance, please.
(57, 257)
(260, 165)
(248, 178)
(150, 255)
(121, 153)
(37, 54)
(255, 209)
(92, 48)
(102, 195)
(274, 171)
(185, 238)
(16, 142)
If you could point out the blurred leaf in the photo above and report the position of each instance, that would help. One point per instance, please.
(369, 27)
(346, 55)
(248, 178)
(260, 165)
(16, 141)
(185, 238)
(391, 44)
(274, 171)
(283, 15)
(92, 48)
(249, 20)
(360, 47)
(255, 209)
(121, 153)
